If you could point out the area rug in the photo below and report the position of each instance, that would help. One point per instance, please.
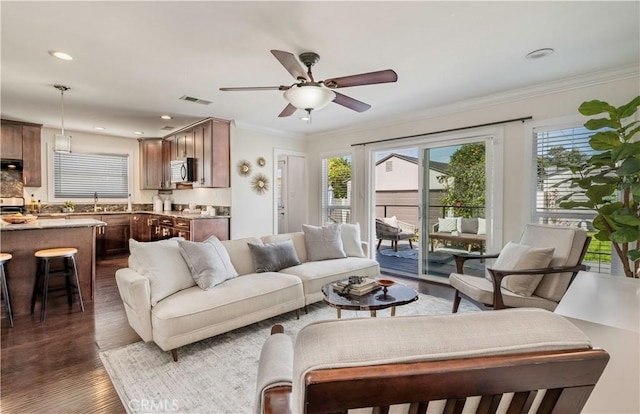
(218, 375)
(405, 254)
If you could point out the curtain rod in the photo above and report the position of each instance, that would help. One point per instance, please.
(525, 118)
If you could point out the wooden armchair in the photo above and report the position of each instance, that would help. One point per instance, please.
(545, 284)
(394, 230)
(445, 362)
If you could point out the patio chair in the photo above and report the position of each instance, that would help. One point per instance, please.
(394, 230)
(440, 363)
(536, 272)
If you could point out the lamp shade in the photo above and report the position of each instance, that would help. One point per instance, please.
(309, 96)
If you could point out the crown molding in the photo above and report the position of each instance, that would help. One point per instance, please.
(547, 88)
(265, 130)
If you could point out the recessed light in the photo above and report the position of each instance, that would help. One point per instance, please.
(540, 53)
(138, 132)
(99, 128)
(60, 55)
(165, 117)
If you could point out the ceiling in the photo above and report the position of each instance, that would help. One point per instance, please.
(133, 60)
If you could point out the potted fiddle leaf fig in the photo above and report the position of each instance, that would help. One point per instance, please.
(609, 181)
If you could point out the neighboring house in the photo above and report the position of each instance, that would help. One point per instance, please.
(396, 184)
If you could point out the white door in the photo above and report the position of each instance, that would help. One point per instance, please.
(292, 193)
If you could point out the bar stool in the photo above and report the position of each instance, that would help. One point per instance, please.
(44, 258)
(4, 258)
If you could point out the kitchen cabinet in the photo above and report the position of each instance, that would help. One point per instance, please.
(212, 149)
(166, 162)
(151, 162)
(198, 229)
(21, 141)
(31, 156)
(112, 238)
(11, 141)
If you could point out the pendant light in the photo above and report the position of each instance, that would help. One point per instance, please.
(61, 142)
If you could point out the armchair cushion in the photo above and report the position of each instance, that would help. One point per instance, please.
(469, 225)
(447, 225)
(516, 256)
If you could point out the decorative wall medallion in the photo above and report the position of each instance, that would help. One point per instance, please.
(262, 162)
(244, 168)
(260, 183)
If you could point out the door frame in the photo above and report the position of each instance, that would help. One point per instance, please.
(494, 163)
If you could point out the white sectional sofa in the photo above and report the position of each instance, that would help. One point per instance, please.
(163, 306)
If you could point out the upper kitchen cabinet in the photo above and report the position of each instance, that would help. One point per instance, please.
(211, 143)
(151, 160)
(21, 141)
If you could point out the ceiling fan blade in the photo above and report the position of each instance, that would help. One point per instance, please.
(350, 103)
(291, 64)
(287, 111)
(257, 88)
(382, 76)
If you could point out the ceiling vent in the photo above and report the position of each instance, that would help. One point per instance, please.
(167, 128)
(196, 100)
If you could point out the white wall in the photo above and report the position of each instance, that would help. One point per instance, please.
(252, 214)
(516, 204)
(403, 176)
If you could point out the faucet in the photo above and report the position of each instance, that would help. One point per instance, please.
(95, 202)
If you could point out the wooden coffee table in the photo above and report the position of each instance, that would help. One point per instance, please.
(396, 295)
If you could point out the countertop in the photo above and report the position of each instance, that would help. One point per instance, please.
(42, 224)
(195, 216)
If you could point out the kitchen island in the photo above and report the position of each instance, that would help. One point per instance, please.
(23, 240)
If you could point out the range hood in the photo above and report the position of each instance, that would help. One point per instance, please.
(10, 165)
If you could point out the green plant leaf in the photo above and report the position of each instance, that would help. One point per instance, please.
(605, 179)
(601, 159)
(602, 235)
(625, 235)
(576, 204)
(633, 255)
(598, 192)
(629, 167)
(609, 209)
(626, 150)
(595, 107)
(626, 217)
(629, 109)
(599, 123)
(604, 140)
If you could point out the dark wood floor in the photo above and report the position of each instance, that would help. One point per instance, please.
(54, 367)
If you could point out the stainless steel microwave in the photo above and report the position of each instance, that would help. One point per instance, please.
(183, 170)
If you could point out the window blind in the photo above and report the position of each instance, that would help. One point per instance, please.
(554, 150)
(83, 175)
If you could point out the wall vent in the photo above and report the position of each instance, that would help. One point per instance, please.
(167, 128)
(196, 100)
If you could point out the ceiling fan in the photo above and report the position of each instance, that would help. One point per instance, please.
(309, 95)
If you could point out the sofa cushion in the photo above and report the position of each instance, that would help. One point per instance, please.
(161, 263)
(482, 226)
(515, 256)
(182, 317)
(208, 262)
(323, 243)
(296, 237)
(469, 225)
(314, 275)
(240, 254)
(271, 257)
(351, 243)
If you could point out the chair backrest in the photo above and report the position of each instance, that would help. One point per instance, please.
(569, 243)
(445, 360)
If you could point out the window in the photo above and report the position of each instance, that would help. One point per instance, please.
(336, 189)
(553, 150)
(389, 166)
(83, 175)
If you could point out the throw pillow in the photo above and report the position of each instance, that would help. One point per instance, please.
(323, 243)
(351, 243)
(162, 264)
(447, 225)
(208, 262)
(469, 225)
(482, 226)
(391, 221)
(515, 256)
(271, 257)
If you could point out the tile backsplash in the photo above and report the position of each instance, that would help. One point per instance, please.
(11, 184)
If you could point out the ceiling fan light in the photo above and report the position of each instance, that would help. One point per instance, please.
(311, 96)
